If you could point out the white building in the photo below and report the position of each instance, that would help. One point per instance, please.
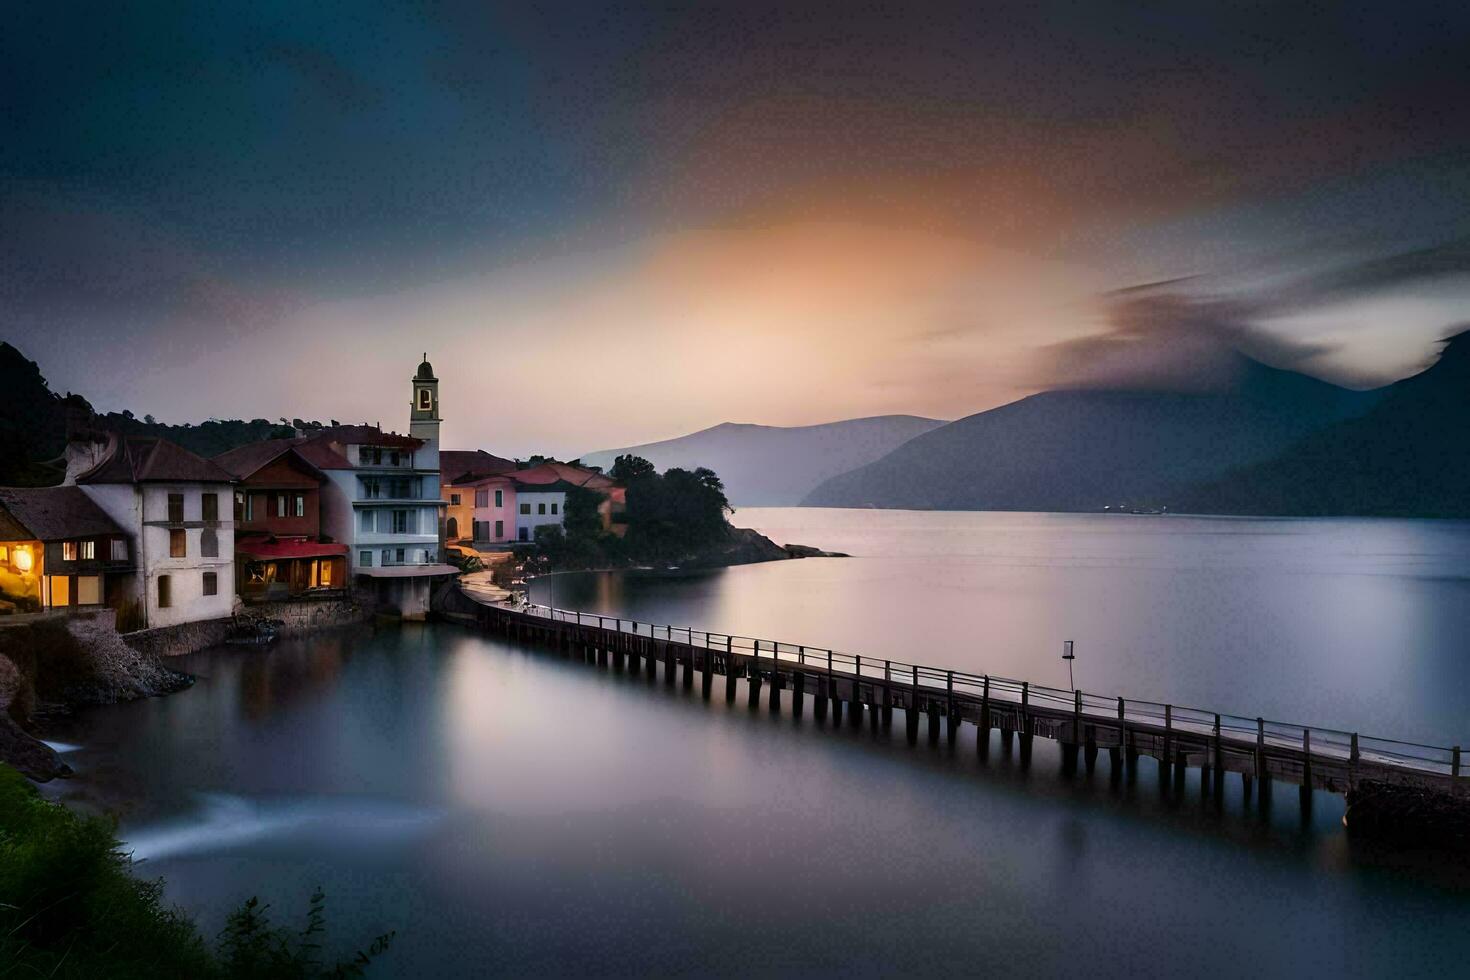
(383, 500)
(178, 508)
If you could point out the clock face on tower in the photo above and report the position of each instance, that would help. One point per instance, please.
(426, 400)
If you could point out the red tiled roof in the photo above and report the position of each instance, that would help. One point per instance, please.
(267, 548)
(245, 460)
(141, 459)
(553, 472)
(458, 464)
(56, 513)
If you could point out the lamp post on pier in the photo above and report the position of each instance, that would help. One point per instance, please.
(1068, 655)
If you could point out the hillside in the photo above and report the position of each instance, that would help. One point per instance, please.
(33, 425)
(1082, 450)
(1408, 457)
(772, 466)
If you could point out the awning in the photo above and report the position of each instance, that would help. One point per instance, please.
(270, 550)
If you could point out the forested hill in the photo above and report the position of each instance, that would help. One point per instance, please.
(33, 425)
(1408, 457)
(1083, 450)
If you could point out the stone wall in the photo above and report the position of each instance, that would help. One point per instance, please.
(315, 614)
(179, 639)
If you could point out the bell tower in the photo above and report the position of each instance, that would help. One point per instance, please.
(424, 416)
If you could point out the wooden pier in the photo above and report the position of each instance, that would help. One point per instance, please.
(940, 702)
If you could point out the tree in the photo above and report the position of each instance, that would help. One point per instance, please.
(629, 469)
(581, 519)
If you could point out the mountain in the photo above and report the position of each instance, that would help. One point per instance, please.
(1083, 450)
(773, 466)
(1407, 457)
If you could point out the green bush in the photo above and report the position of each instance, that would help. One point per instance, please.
(69, 907)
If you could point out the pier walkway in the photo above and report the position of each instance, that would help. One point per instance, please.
(1083, 723)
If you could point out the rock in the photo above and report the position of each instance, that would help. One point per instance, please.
(29, 756)
(1408, 815)
(807, 551)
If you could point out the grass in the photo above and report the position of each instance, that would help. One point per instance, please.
(70, 907)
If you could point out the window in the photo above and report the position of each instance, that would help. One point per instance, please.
(239, 505)
(387, 557)
(5, 553)
(482, 498)
(165, 591)
(250, 506)
(499, 498)
(60, 590)
(400, 522)
(280, 505)
(370, 488)
(178, 546)
(540, 508)
(209, 506)
(365, 559)
(89, 550)
(209, 543)
(367, 520)
(176, 508)
(454, 500)
(499, 530)
(553, 507)
(89, 590)
(393, 457)
(119, 549)
(525, 508)
(399, 556)
(68, 551)
(426, 400)
(300, 505)
(524, 533)
(211, 583)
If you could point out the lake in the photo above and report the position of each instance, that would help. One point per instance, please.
(509, 812)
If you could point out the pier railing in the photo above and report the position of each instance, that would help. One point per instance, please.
(1240, 732)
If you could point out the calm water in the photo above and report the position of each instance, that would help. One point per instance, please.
(509, 812)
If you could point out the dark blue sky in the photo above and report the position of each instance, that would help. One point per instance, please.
(835, 209)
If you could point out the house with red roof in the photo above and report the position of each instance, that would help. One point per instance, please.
(174, 506)
(280, 552)
(506, 506)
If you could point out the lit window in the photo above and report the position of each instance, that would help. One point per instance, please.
(300, 505)
(89, 590)
(280, 505)
(68, 551)
(89, 550)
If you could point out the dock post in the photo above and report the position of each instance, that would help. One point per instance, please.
(688, 669)
(753, 672)
(819, 699)
(1025, 708)
(798, 693)
(706, 680)
(729, 671)
(985, 712)
(832, 693)
(933, 721)
(1305, 792)
(855, 703)
(951, 720)
(775, 675)
(1454, 758)
(887, 695)
(650, 656)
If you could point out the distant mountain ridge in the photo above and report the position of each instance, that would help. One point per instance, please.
(1083, 450)
(1407, 457)
(773, 466)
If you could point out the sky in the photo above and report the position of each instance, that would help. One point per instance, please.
(611, 224)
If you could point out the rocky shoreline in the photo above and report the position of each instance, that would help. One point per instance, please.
(56, 664)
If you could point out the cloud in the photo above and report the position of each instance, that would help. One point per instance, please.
(1161, 339)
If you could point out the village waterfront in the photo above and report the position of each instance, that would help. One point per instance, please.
(466, 792)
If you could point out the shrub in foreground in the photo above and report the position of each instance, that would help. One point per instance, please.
(69, 907)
